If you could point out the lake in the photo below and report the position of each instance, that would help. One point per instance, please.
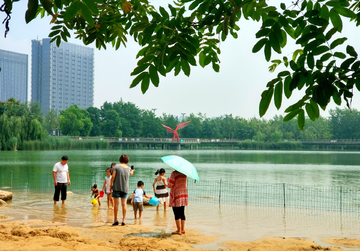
(251, 186)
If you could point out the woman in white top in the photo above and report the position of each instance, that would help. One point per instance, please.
(160, 189)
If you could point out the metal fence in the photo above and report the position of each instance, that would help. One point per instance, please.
(338, 199)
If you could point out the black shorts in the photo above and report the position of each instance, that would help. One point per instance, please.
(60, 187)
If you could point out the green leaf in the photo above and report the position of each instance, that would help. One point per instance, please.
(278, 94)
(87, 14)
(301, 119)
(330, 33)
(71, 11)
(47, 5)
(54, 33)
(287, 90)
(346, 64)
(337, 42)
(58, 4)
(310, 60)
(139, 69)
(336, 20)
(320, 50)
(216, 67)
(291, 115)
(355, 66)
(339, 55)
(325, 57)
(154, 77)
(265, 101)
(351, 51)
(145, 83)
(32, 10)
(310, 112)
(324, 12)
(315, 108)
(185, 67)
(346, 12)
(264, 32)
(336, 98)
(267, 51)
(8, 4)
(257, 47)
(164, 13)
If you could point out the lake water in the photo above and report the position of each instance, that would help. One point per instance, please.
(251, 178)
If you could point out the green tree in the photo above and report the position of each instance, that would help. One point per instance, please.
(94, 114)
(151, 125)
(51, 122)
(111, 124)
(130, 115)
(75, 121)
(188, 32)
(194, 128)
(345, 123)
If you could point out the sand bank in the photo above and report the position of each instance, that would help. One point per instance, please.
(46, 235)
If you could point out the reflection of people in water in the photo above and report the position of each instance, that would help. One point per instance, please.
(60, 214)
(160, 219)
(96, 214)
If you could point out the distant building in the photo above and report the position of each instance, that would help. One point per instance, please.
(61, 76)
(13, 76)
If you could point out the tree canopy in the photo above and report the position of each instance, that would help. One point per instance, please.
(187, 33)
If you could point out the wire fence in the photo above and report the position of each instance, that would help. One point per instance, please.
(327, 198)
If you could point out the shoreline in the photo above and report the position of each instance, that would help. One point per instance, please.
(47, 235)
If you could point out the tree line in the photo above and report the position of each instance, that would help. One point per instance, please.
(21, 123)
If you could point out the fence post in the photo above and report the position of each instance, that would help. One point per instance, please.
(340, 199)
(284, 193)
(220, 192)
(11, 180)
(246, 192)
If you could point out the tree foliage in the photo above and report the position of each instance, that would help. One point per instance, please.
(75, 121)
(187, 33)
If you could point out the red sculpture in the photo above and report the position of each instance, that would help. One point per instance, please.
(179, 126)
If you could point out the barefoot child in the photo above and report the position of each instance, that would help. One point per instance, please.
(95, 193)
(160, 189)
(137, 199)
(107, 188)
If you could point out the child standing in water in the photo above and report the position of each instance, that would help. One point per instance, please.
(95, 193)
(107, 188)
(160, 189)
(137, 199)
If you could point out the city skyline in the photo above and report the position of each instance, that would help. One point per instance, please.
(61, 76)
(14, 76)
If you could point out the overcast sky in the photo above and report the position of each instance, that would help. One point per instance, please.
(235, 90)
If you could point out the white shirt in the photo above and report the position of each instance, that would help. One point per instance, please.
(61, 172)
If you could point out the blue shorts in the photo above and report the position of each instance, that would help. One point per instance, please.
(119, 194)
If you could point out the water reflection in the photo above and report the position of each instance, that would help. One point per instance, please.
(60, 214)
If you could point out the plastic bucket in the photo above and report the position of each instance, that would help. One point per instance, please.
(101, 193)
(154, 201)
(94, 201)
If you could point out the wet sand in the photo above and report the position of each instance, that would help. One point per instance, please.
(47, 235)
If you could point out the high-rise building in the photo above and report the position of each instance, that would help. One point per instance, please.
(13, 76)
(61, 76)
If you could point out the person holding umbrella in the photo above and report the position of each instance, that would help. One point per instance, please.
(178, 190)
(178, 199)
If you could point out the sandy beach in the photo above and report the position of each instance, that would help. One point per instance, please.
(47, 235)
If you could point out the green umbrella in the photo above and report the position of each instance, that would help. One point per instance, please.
(181, 165)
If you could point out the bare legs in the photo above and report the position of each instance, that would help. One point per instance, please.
(123, 205)
(116, 208)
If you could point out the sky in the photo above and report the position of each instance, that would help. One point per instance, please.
(235, 90)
